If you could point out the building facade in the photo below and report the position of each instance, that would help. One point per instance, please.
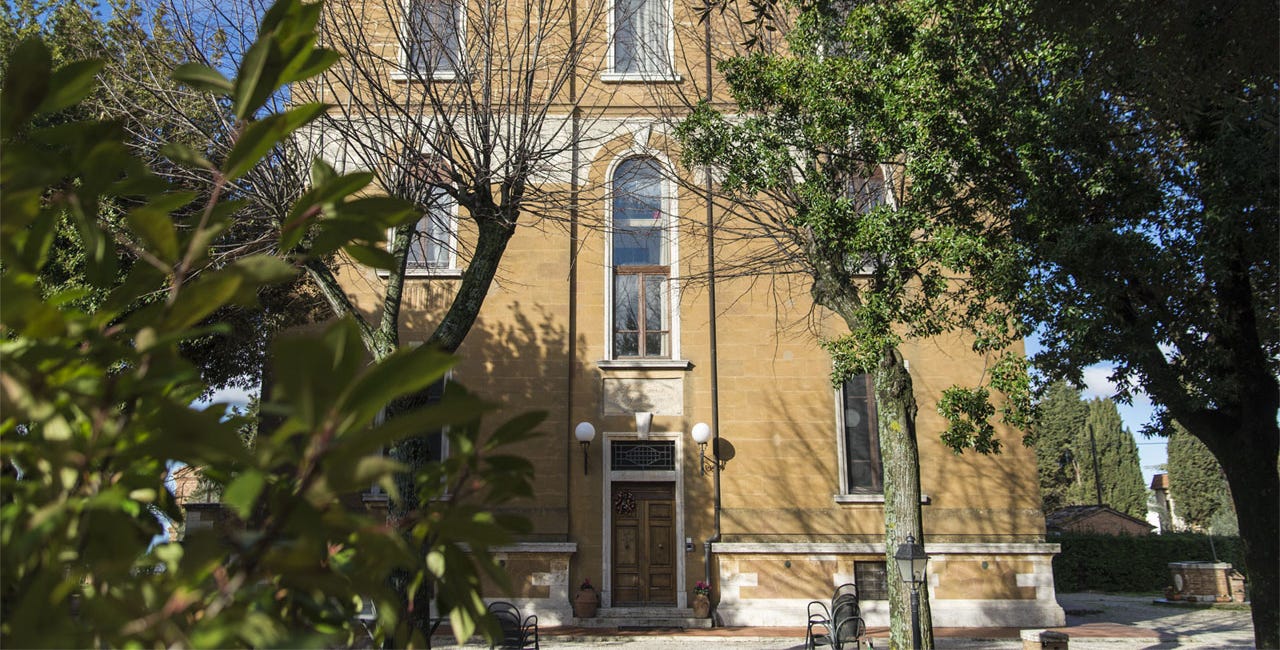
(607, 311)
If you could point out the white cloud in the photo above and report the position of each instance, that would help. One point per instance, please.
(229, 396)
(1097, 381)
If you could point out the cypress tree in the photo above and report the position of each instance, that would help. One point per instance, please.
(1196, 484)
(1118, 464)
(1061, 415)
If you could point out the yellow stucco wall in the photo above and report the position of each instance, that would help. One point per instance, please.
(536, 345)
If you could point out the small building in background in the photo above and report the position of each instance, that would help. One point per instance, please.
(1103, 520)
(1164, 507)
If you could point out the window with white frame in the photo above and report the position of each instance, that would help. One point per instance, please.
(434, 37)
(641, 37)
(641, 266)
(434, 244)
(860, 440)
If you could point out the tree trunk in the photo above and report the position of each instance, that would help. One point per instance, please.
(494, 234)
(896, 406)
(496, 228)
(1255, 489)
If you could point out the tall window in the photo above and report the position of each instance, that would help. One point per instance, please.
(433, 244)
(863, 471)
(435, 37)
(641, 29)
(641, 268)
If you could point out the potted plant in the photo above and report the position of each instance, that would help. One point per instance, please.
(586, 601)
(701, 599)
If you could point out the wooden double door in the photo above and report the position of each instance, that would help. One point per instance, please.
(644, 544)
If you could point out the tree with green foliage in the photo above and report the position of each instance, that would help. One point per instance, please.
(1196, 484)
(483, 146)
(97, 402)
(843, 208)
(1060, 417)
(140, 49)
(1119, 469)
(1067, 434)
(1122, 166)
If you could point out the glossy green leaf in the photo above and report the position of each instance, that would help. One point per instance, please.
(26, 84)
(185, 155)
(203, 78)
(243, 492)
(201, 298)
(374, 257)
(457, 407)
(405, 371)
(153, 224)
(264, 134)
(70, 84)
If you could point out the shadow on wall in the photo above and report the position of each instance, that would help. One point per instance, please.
(782, 488)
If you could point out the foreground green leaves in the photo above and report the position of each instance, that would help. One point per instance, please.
(97, 405)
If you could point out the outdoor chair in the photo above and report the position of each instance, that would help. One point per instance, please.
(838, 627)
(517, 632)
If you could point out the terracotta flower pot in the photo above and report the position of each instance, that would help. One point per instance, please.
(585, 603)
(701, 606)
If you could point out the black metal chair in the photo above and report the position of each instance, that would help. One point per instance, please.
(839, 626)
(517, 632)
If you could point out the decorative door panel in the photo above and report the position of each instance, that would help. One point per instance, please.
(626, 561)
(644, 544)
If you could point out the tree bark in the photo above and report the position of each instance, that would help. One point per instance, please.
(496, 227)
(896, 407)
(1248, 459)
(896, 410)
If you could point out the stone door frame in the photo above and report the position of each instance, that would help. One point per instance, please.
(676, 477)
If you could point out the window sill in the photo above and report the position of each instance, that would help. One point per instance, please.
(410, 274)
(870, 498)
(439, 75)
(640, 77)
(644, 364)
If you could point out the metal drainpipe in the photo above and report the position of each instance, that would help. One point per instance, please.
(711, 309)
(573, 273)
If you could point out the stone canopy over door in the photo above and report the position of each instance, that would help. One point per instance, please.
(644, 544)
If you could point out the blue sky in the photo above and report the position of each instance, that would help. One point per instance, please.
(1152, 452)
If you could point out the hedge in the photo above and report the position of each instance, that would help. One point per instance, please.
(1122, 563)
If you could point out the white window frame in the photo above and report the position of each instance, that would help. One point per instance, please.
(670, 208)
(405, 70)
(612, 74)
(451, 243)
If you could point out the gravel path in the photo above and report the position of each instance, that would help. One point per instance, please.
(1171, 627)
(1178, 626)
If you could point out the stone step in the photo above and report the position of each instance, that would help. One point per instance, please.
(644, 617)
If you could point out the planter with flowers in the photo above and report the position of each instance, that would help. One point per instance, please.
(587, 601)
(701, 600)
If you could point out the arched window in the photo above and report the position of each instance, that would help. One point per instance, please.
(641, 261)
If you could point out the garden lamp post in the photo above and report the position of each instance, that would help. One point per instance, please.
(911, 564)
